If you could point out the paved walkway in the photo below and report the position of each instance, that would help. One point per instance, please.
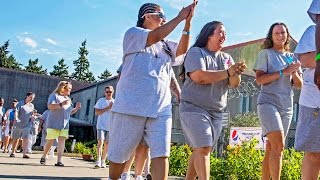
(75, 168)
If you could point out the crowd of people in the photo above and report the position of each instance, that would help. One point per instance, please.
(136, 125)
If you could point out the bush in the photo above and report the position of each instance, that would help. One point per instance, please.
(250, 119)
(178, 160)
(239, 163)
(79, 147)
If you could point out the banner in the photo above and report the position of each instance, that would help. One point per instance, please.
(238, 135)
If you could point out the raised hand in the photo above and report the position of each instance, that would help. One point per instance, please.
(187, 12)
(193, 5)
(78, 105)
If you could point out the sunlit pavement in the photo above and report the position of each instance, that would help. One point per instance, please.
(75, 168)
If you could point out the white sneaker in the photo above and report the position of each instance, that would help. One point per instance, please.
(98, 165)
(126, 176)
(103, 165)
(139, 177)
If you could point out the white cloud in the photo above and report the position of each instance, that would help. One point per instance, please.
(24, 33)
(50, 41)
(38, 51)
(28, 41)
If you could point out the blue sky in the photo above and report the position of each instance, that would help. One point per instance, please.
(54, 29)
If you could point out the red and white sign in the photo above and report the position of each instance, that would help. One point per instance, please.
(238, 135)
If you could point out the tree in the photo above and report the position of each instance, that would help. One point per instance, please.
(60, 70)
(81, 71)
(105, 75)
(3, 53)
(12, 63)
(34, 67)
(8, 62)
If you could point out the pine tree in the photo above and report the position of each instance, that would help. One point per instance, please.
(3, 53)
(60, 70)
(105, 75)
(34, 67)
(12, 63)
(8, 62)
(81, 71)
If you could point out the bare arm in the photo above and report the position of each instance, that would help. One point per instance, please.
(175, 88)
(100, 111)
(74, 110)
(163, 31)
(307, 59)
(185, 38)
(264, 78)
(213, 76)
(297, 80)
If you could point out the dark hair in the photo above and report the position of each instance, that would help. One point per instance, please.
(30, 93)
(268, 43)
(202, 40)
(206, 31)
(1, 98)
(146, 8)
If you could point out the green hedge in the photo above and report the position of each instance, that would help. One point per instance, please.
(239, 163)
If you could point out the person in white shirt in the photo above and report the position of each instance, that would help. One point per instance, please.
(8, 124)
(102, 109)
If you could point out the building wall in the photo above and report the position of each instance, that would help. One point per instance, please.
(15, 84)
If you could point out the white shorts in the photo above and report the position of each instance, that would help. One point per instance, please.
(128, 130)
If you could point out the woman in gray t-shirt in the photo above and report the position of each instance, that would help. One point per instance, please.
(21, 125)
(60, 106)
(277, 70)
(208, 74)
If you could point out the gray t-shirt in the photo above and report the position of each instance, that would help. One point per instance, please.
(143, 88)
(59, 118)
(209, 97)
(24, 114)
(279, 92)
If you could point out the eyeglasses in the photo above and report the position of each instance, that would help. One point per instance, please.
(159, 14)
(108, 91)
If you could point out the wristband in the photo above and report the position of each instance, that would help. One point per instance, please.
(318, 57)
(280, 72)
(186, 33)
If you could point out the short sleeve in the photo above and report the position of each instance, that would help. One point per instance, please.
(307, 41)
(261, 63)
(176, 61)
(98, 104)
(52, 99)
(135, 40)
(194, 60)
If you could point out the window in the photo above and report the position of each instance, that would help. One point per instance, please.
(295, 112)
(245, 104)
(88, 107)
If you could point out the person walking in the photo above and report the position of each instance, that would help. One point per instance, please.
(60, 106)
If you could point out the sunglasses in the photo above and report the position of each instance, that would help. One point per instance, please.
(159, 14)
(108, 91)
